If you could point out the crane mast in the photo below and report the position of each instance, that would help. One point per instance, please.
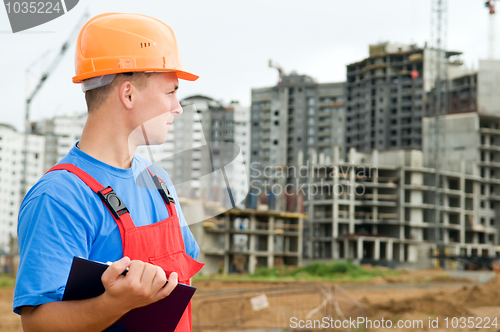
(438, 105)
(46, 74)
(491, 44)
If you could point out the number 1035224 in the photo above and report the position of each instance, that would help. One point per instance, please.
(33, 7)
(471, 322)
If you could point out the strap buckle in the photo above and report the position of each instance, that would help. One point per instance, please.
(164, 192)
(113, 202)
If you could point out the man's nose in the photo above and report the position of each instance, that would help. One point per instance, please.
(176, 107)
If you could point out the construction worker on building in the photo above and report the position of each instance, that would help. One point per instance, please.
(128, 66)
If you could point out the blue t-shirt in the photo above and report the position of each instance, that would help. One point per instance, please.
(61, 217)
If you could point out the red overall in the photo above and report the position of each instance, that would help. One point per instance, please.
(159, 243)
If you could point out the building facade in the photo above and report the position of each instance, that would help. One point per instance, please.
(243, 240)
(61, 133)
(384, 104)
(292, 121)
(380, 207)
(11, 174)
(210, 151)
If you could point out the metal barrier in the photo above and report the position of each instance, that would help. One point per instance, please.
(226, 310)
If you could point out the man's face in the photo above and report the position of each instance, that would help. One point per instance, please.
(155, 108)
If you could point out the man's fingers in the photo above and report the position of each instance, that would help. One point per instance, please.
(148, 274)
(159, 280)
(114, 271)
(165, 291)
(135, 271)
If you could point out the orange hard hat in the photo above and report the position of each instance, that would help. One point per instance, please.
(114, 43)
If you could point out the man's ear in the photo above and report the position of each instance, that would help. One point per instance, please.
(125, 94)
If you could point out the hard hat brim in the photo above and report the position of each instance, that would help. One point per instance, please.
(181, 74)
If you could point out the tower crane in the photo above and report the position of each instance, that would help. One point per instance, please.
(491, 7)
(279, 68)
(50, 69)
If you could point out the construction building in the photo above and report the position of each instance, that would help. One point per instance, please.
(211, 151)
(383, 206)
(472, 139)
(291, 120)
(386, 96)
(243, 240)
(389, 93)
(11, 174)
(377, 208)
(61, 133)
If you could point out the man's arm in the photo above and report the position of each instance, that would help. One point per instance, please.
(143, 284)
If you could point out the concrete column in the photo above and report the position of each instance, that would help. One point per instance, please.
(446, 237)
(388, 250)
(360, 248)
(375, 195)
(300, 243)
(346, 249)
(252, 260)
(350, 190)
(475, 238)
(412, 253)
(270, 243)
(376, 251)
(462, 201)
(335, 249)
(335, 218)
(227, 243)
(252, 221)
(226, 264)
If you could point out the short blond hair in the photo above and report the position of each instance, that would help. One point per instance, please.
(96, 97)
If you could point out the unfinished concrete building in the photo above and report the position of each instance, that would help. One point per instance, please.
(243, 240)
(474, 90)
(379, 208)
(291, 120)
(386, 96)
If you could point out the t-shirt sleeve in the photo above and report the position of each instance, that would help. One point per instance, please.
(49, 237)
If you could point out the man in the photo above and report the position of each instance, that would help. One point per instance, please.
(129, 67)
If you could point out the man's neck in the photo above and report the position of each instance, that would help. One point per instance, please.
(107, 141)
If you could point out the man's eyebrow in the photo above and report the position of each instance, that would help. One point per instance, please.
(176, 87)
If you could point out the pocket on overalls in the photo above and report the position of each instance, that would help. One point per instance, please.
(180, 262)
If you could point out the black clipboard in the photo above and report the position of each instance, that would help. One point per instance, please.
(84, 282)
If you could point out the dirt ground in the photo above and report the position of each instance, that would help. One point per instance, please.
(419, 295)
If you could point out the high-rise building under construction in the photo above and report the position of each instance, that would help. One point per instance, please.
(292, 121)
(386, 96)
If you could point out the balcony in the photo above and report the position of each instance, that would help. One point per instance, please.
(265, 115)
(323, 133)
(323, 214)
(489, 131)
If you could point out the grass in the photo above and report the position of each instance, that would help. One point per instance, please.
(316, 271)
(7, 281)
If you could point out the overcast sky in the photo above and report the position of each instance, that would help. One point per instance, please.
(229, 43)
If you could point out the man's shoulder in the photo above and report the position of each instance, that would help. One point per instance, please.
(60, 185)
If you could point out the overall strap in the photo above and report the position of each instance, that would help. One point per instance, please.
(108, 196)
(168, 198)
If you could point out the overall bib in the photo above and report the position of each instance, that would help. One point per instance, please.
(160, 243)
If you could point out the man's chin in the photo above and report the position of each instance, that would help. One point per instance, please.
(156, 140)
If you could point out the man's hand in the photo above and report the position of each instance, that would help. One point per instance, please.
(143, 284)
